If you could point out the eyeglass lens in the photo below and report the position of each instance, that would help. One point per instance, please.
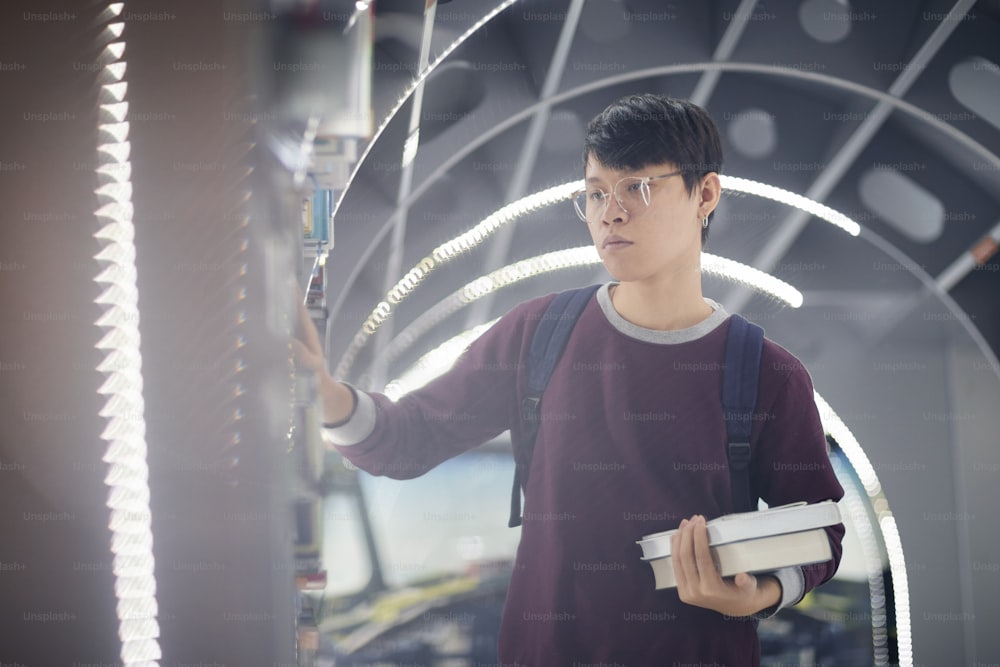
(631, 192)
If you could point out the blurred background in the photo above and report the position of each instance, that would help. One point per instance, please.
(169, 172)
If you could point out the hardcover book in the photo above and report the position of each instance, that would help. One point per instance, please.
(754, 541)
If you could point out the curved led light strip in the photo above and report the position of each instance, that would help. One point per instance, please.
(856, 510)
(513, 211)
(128, 474)
(886, 522)
(444, 253)
(713, 265)
(472, 238)
(434, 363)
(723, 267)
(810, 206)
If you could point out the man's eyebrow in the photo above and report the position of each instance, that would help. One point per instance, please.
(595, 179)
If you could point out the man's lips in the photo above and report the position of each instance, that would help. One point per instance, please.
(613, 242)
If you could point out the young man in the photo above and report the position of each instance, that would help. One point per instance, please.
(632, 438)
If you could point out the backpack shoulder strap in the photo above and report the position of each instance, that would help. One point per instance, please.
(740, 378)
(547, 345)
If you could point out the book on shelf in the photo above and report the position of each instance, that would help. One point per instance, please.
(754, 541)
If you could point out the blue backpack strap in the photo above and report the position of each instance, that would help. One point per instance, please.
(740, 378)
(547, 346)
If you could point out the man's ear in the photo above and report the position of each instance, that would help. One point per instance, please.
(709, 192)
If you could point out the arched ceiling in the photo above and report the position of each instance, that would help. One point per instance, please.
(824, 98)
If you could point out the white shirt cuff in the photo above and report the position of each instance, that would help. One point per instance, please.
(793, 585)
(358, 427)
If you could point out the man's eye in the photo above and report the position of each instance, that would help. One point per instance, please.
(597, 195)
(635, 187)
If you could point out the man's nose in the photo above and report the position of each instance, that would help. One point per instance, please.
(615, 212)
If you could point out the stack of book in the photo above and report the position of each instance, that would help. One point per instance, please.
(754, 541)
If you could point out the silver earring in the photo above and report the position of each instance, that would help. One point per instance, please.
(704, 222)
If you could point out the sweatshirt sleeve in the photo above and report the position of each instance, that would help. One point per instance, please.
(466, 406)
(790, 461)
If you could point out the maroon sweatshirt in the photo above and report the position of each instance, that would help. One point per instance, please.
(632, 440)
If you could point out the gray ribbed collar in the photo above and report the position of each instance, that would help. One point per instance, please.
(717, 317)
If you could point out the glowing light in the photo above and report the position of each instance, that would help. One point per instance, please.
(127, 478)
(119, 153)
(900, 586)
(434, 363)
(115, 51)
(852, 449)
(719, 267)
(751, 277)
(444, 253)
(515, 210)
(115, 90)
(117, 111)
(850, 446)
(119, 210)
(855, 510)
(410, 148)
(558, 261)
(507, 214)
(118, 131)
(120, 192)
(835, 218)
(119, 172)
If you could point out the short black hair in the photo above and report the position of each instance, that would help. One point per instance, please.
(640, 130)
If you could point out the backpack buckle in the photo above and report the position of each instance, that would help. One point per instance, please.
(531, 408)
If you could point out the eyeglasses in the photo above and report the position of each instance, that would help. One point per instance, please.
(591, 204)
